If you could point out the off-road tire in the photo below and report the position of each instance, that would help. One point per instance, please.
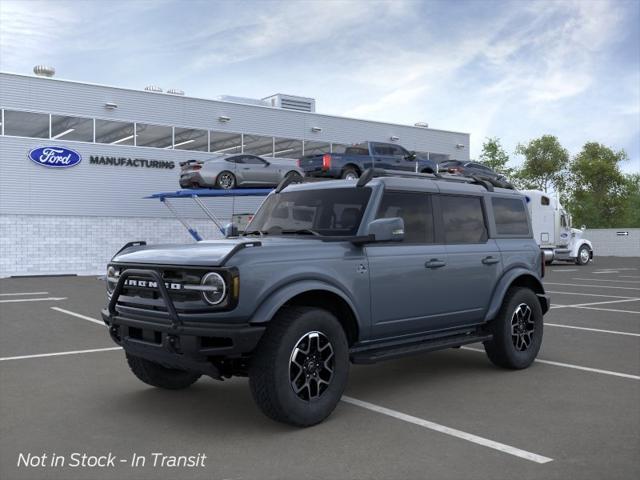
(269, 372)
(156, 375)
(350, 172)
(581, 255)
(502, 350)
(222, 175)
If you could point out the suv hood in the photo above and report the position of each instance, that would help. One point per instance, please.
(210, 253)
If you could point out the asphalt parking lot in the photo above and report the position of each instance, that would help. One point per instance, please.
(575, 413)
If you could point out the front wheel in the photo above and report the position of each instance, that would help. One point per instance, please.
(584, 255)
(517, 330)
(159, 376)
(300, 367)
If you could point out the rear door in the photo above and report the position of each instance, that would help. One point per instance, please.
(408, 294)
(474, 263)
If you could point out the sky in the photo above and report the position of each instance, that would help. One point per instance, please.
(509, 69)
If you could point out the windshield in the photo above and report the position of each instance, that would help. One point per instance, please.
(326, 212)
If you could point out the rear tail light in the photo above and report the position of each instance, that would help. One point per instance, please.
(326, 161)
(196, 167)
(299, 162)
(454, 170)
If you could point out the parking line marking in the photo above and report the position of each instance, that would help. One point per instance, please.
(23, 293)
(74, 314)
(629, 276)
(607, 280)
(562, 270)
(632, 299)
(569, 365)
(47, 299)
(56, 354)
(610, 310)
(586, 294)
(594, 286)
(533, 457)
(598, 330)
(606, 271)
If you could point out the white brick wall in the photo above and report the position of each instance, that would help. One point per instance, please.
(49, 245)
(607, 242)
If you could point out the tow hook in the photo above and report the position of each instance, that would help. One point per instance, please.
(173, 342)
(115, 334)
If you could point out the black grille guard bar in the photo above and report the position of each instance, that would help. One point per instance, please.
(139, 272)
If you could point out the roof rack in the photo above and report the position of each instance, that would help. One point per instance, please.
(487, 182)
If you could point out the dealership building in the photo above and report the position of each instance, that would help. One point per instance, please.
(127, 144)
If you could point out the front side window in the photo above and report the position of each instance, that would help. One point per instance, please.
(463, 219)
(250, 159)
(416, 211)
(511, 216)
(327, 212)
(26, 124)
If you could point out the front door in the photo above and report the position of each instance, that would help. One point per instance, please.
(407, 292)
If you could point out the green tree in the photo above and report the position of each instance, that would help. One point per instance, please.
(631, 211)
(495, 157)
(599, 193)
(545, 164)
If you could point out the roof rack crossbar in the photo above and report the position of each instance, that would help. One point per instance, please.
(487, 183)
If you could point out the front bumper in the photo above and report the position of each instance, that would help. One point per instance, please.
(171, 341)
(185, 347)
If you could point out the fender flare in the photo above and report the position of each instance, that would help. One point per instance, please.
(580, 243)
(268, 308)
(503, 285)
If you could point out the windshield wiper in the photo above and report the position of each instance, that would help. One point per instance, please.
(302, 231)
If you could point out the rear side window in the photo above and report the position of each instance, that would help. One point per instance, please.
(463, 219)
(510, 215)
(416, 211)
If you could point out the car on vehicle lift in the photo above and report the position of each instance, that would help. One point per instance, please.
(328, 273)
(553, 232)
(232, 171)
(357, 158)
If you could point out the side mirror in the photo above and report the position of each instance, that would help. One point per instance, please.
(266, 164)
(386, 229)
(411, 157)
(230, 230)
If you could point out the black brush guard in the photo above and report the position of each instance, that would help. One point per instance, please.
(181, 346)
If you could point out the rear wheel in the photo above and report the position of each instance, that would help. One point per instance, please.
(159, 376)
(300, 368)
(517, 330)
(226, 180)
(350, 173)
(584, 255)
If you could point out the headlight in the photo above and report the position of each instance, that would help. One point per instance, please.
(215, 290)
(112, 279)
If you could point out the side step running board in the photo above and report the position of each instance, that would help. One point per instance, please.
(378, 354)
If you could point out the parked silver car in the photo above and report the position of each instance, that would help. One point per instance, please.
(231, 171)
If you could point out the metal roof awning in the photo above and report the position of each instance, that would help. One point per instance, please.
(197, 193)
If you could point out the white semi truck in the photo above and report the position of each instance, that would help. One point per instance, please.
(553, 232)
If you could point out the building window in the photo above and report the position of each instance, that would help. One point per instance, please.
(191, 139)
(115, 133)
(225, 143)
(26, 124)
(71, 128)
(338, 148)
(258, 145)
(510, 215)
(463, 219)
(157, 136)
(316, 148)
(287, 148)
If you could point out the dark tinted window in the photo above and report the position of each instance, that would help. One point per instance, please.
(328, 211)
(253, 160)
(463, 219)
(510, 215)
(415, 209)
(544, 201)
(235, 159)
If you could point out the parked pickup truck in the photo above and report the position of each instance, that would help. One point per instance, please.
(357, 158)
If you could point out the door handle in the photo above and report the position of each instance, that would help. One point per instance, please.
(490, 260)
(434, 263)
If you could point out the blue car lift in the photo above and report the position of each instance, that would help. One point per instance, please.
(197, 193)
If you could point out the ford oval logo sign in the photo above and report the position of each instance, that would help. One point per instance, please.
(55, 157)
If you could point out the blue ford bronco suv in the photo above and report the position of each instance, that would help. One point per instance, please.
(331, 273)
